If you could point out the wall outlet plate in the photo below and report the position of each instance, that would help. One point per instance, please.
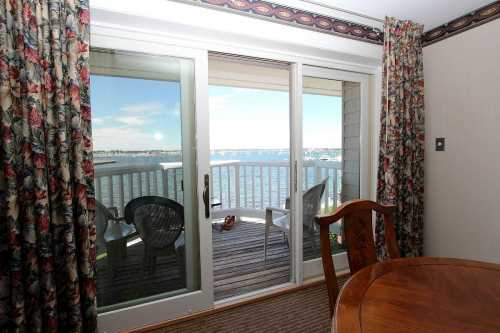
(440, 144)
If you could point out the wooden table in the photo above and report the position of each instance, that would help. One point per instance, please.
(421, 295)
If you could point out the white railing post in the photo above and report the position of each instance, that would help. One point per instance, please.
(228, 170)
(164, 179)
(317, 174)
(155, 181)
(110, 191)
(253, 186)
(148, 183)
(261, 188)
(130, 186)
(245, 186)
(175, 185)
(270, 197)
(139, 176)
(121, 194)
(237, 185)
(279, 186)
(220, 186)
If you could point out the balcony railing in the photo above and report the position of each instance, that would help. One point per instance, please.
(235, 184)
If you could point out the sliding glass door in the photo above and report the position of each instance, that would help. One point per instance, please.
(220, 172)
(151, 174)
(334, 155)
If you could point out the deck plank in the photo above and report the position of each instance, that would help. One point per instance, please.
(238, 259)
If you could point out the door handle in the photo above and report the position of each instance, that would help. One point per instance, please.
(206, 196)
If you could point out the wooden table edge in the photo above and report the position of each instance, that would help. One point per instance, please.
(348, 303)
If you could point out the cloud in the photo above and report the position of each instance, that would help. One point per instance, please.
(127, 138)
(132, 120)
(142, 107)
(97, 121)
(248, 123)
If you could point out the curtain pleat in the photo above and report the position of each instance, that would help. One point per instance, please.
(47, 281)
(401, 157)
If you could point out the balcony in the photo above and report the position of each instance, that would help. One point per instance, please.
(243, 189)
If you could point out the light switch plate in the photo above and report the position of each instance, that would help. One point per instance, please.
(440, 144)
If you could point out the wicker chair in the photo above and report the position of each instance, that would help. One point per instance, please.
(159, 222)
(311, 205)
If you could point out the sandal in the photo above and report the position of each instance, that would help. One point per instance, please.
(229, 222)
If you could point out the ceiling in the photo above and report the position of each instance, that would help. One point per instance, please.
(431, 13)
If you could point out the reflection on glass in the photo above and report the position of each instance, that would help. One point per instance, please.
(250, 140)
(142, 230)
(330, 164)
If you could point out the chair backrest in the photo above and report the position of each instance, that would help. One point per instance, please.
(358, 236)
(102, 216)
(158, 220)
(311, 202)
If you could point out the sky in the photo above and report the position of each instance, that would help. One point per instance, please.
(135, 114)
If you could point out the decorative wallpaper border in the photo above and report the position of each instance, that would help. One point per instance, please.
(300, 18)
(471, 20)
(334, 26)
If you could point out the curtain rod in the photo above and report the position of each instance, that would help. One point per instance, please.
(343, 10)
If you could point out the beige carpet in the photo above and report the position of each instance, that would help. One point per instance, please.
(305, 310)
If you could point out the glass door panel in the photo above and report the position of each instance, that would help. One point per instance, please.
(331, 146)
(146, 219)
(250, 162)
(146, 180)
(322, 156)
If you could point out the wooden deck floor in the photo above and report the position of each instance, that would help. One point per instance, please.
(239, 265)
(127, 281)
(238, 259)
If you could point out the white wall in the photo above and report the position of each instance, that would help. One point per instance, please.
(462, 184)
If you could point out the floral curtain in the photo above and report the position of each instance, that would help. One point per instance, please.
(401, 158)
(47, 230)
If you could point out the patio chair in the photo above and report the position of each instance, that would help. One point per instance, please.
(159, 222)
(280, 217)
(112, 237)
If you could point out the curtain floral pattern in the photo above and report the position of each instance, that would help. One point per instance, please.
(401, 158)
(47, 231)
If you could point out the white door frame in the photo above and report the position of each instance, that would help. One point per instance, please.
(296, 88)
(314, 268)
(183, 304)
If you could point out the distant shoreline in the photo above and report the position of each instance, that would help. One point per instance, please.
(211, 150)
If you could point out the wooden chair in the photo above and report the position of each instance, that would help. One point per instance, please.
(358, 236)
